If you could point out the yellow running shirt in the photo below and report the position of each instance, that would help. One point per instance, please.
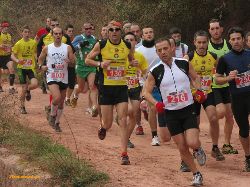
(132, 73)
(25, 52)
(204, 66)
(118, 54)
(5, 44)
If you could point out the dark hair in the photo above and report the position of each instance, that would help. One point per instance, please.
(25, 27)
(235, 30)
(54, 19)
(247, 34)
(200, 33)
(69, 26)
(163, 39)
(175, 30)
(146, 27)
(129, 33)
(215, 21)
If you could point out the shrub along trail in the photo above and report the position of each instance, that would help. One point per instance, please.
(150, 166)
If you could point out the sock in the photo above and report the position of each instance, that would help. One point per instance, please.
(58, 115)
(50, 99)
(53, 109)
(154, 133)
(214, 147)
(247, 157)
(196, 173)
(138, 124)
(12, 79)
(66, 98)
(124, 154)
(75, 96)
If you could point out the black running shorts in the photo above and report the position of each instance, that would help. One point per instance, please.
(210, 101)
(222, 95)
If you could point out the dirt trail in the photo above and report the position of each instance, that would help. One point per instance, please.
(150, 166)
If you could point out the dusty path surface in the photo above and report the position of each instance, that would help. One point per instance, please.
(150, 166)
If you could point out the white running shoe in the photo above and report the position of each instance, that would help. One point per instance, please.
(155, 141)
(197, 179)
(200, 156)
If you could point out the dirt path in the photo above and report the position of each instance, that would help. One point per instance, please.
(150, 166)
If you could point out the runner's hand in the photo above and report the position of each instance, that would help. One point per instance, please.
(160, 107)
(44, 68)
(67, 61)
(105, 64)
(200, 96)
(134, 63)
(232, 75)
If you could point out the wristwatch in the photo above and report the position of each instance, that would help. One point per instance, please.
(39, 66)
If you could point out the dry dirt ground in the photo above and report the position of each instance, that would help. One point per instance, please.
(150, 166)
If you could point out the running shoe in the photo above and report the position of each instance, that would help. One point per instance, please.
(197, 179)
(125, 160)
(155, 141)
(139, 130)
(130, 144)
(67, 102)
(74, 102)
(102, 133)
(1, 89)
(200, 156)
(28, 95)
(57, 127)
(94, 111)
(88, 111)
(184, 167)
(23, 110)
(12, 91)
(217, 154)
(228, 149)
(52, 120)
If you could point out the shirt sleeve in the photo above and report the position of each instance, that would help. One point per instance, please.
(15, 48)
(143, 63)
(221, 66)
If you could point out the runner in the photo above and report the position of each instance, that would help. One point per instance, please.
(204, 62)
(126, 27)
(171, 76)
(69, 30)
(43, 31)
(221, 92)
(134, 88)
(135, 28)
(24, 54)
(112, 83)
(58, 57)
(148, 50)
(181, 49)
(236, 66)
(247, 38)
(104, 32)
(5, 57)
(83, 44)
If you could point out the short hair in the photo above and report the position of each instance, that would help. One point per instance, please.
(247, 34)
(200, 33)
(129, 33)
(175, 30)
(213, 20)
(105, 25)
(69, 26)
(163, 39)
(25, 27)
(54, 19)
(147, 27)
(56, 28)
(235, 30)
(169, 37)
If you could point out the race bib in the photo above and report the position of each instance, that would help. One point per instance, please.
(177, 97)
(132, 82)
(57, 75)
(206, 82)
(27, 63)
(243, 79)
(115, 73)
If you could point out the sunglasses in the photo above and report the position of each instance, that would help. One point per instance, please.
(114, 30)
(55, 25)
(90, 28)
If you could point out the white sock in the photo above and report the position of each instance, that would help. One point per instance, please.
(59, 114)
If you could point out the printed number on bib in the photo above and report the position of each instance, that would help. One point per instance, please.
(27, 63)
(243, 80)
(132, 82)
(177, 97)
(206, 82)
(57, 75)
(115, 73)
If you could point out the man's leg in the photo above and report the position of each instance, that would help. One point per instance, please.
(11, 72)
(56, 95)
(78, 90)
(93, 94)
(60, 110)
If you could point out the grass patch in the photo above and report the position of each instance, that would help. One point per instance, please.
(40, 150)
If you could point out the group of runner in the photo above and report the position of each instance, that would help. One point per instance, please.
(129, 70)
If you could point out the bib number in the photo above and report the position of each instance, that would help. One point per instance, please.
(115, 73)
(27, 63)
(177, 97)
(132, 82)
(206, 82)
(243, 80)
(57, 75)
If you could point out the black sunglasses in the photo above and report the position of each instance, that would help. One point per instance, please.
(90, 28)
(116, 29)
(55, 25)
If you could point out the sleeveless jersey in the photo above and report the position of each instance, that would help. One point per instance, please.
(25, 52)
(173, 83)
(204, 66)
(219, 52)
(133, 73)
(118, 54)
(5, 42)
(48, 39)
(57, 67)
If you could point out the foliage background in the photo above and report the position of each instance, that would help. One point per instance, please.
(189, 15)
